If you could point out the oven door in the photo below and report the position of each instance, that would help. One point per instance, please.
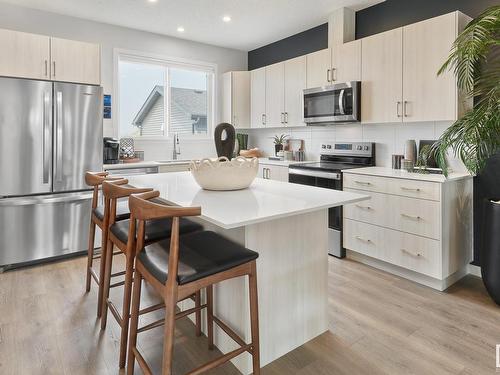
(334, 181)
(332, 104)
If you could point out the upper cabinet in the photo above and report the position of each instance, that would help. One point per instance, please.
(75, 61)
(346, 62)
(399, 71)
(236, 99)
(275, 95)
(24, 55)
(319, 66)
(258, 98)
(381, 86)
(295, 83)
(41, 57)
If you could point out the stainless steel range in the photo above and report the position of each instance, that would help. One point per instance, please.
(327, 173)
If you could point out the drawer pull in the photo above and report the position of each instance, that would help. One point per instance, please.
(417, 255)
(362, 239)
(411, 217)
(410, 189)
(363, 183)
(363, 207)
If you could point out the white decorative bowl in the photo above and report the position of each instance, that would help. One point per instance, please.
(224, 174)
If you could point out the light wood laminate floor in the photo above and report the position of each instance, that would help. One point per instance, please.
(380, 324)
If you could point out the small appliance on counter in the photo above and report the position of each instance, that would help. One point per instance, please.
(111, 150)
(327, 173)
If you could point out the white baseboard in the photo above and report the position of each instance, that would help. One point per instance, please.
(474, 270)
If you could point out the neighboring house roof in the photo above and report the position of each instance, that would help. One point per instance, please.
(186, 103)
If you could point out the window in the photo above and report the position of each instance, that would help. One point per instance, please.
(158, 98)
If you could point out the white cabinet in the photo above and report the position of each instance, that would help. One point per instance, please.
(399, 73)
(273, 172)
(346, 62)
(74, 61)
(319, 68)
(236, 99)
(295, 83)
(382, 83)
(258, 98)
(24, 55)
(275, 95)
(411, 224)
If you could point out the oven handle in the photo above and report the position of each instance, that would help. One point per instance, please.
(305, 172)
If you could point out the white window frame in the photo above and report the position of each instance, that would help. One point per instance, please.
(168, 62)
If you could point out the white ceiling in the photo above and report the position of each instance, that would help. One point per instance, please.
(254, 22)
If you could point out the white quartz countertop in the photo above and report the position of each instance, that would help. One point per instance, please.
(399, 173)
(264, 200)
(283, 163)
(143, 164)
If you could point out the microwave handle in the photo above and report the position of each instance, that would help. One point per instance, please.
(341, 102)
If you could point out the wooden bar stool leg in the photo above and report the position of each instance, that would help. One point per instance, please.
(134, 321)
(197, 303)
(169, 331)
(106, 283)
(254, 318)
(210, 316)
(102, 269)
(127, 294)
(90, 254)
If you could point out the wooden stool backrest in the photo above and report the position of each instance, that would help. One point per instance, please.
(95, 180)
(142, 209)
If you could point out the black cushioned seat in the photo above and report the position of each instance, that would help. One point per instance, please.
(155, 229)
(122, 211)
(201, 254)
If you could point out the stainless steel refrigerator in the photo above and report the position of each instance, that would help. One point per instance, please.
(50, 134)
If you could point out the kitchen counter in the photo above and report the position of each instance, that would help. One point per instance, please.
(144, 164)
(399, 173)
(287, 224)
(283, 163)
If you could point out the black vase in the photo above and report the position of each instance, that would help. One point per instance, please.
(490, 251)
(224, 146)
(277, 148)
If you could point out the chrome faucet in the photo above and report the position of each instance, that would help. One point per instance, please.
(177, 148)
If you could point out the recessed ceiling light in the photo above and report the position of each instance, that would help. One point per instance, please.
(180, 29)
(226, 18)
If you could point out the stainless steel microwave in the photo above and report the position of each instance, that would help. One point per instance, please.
(337, 103)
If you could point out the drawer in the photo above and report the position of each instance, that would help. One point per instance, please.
(419, 254)
(411, 215)
(397, 186)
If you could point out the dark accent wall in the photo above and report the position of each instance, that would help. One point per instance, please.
(381, 17)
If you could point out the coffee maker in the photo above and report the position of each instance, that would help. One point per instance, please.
(111, 150)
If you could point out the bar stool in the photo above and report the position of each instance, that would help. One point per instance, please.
(95, 180)
(179, 267)
(122, 235)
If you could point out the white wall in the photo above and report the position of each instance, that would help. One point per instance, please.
(110, 37)
(389, 138)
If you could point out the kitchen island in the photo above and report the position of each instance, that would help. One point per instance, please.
(287, 225)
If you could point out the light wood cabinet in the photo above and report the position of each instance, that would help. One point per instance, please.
(426, 45)
(295, 83)
(275, 95)
(74, 61)
(418, 229)
(382, 83)
(319, 68)
(236, 99)
(24, 55)
(346, 62)
(258, 98)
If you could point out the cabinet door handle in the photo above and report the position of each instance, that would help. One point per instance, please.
(328, 75)
(263, 173)
(405, 114)
(334, 74)
(363, 207)
(409, 189)
(46, 68)
(417, 255)
(53, 68)
(363, 183)
(263, 119)
(411, 217)
(268, 173)
(398, 104)
(286, 117)
(362, 239)
(282, 117)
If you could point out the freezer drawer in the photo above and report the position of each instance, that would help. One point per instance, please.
(39, 227)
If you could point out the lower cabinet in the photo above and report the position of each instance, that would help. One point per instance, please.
(418, 229)
(273, 172)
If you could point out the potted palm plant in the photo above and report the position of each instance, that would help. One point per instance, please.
(279, 141)
(474, 138)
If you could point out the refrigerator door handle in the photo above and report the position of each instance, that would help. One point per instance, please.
(46, 137)
(46, 199)
(59, 136)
